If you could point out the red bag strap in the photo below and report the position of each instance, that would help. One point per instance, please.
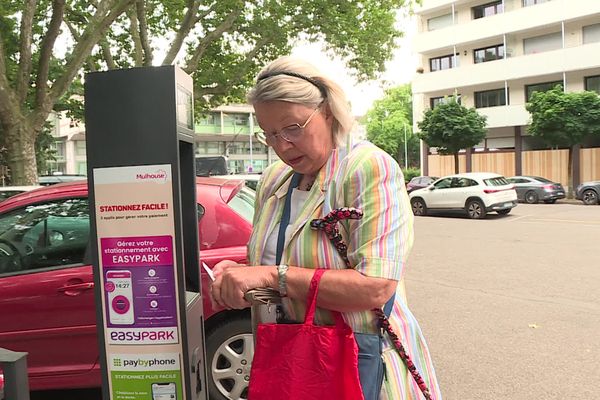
(311, 301)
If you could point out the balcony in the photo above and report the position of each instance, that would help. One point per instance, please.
(522, 19)
(502, 116)
(522, 67)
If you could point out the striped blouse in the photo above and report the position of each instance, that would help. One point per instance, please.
(361, 176)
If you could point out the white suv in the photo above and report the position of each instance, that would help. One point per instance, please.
(477, 193)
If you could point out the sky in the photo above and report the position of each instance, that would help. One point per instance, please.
(399, 70)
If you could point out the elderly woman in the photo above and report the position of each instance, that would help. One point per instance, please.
(306, 119)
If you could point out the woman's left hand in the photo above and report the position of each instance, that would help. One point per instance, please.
(234, 280)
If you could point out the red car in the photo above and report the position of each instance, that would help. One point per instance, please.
(46, 285)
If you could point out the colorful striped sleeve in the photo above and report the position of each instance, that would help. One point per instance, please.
(380, 242)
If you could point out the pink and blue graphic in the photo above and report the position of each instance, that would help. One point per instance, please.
(139, 281)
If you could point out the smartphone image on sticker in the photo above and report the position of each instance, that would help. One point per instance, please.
(164, 391)
(120, 297)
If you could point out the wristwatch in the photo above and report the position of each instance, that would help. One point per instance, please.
(282, 279)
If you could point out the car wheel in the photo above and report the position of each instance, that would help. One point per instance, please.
(418, 206)
(550, 201)
(504, 212)
(229, 352)
(589, 197)
(476, 209)
(531, 197)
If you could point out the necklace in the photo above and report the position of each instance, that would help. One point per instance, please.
(307, 185)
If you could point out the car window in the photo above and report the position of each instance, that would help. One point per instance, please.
(543, 180)
(444, 183)
(499, 181)
(44, 235)
(5, 194)
(243, 203)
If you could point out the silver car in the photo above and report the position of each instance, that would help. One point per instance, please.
(532, 189)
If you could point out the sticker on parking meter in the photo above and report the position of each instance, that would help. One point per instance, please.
(139, 289)
(142, 377)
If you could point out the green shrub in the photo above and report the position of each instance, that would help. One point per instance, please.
(410, 173)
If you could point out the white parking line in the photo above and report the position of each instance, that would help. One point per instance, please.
(518, 218)
(574, 221)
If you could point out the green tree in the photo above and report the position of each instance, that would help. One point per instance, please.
(451, 127)
(389, 120)
(564, 119)
(221, 43)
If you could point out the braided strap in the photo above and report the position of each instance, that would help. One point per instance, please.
(328, 224)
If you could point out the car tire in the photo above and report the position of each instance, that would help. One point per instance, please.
(531, 197)
(589, 197)
(550, 201)
(418, 206)
(476, 209)
(228, 376)
(504, 212)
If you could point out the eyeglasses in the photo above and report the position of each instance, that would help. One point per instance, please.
(291, 133)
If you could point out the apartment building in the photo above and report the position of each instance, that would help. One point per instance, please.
(229, 130)
(69, 146)
(494, 55)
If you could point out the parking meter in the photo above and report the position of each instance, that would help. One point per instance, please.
(144, 222)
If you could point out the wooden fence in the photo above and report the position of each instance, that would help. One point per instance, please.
(551, 164)
(590, 164)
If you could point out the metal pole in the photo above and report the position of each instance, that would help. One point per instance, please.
(405, 149)
(250, 168)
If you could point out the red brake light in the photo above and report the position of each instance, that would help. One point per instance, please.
(548, 187)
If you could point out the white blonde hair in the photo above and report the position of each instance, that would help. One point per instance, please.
(297, 81)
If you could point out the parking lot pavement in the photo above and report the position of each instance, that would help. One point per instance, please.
(511, 305)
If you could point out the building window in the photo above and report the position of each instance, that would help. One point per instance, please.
(540, 44)
(210, 119)
(540, 87)
(82, 168)
(591, 34)
(527, 3)
(443, 62)
(440, 22)
(80, 148)
(434, 101)
(490, 98)
(487, 10)
(489, 53)
(592, 83)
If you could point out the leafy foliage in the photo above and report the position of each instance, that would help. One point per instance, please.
(451, 127)
(387, 121)
(221, 43)
(564, 118)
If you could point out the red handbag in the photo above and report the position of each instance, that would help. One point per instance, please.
(305, 361)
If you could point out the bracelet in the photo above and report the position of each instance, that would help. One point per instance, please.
(282, 282)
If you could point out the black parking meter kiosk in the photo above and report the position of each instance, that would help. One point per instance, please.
(141, 175)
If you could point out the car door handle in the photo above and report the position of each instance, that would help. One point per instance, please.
(77, 286)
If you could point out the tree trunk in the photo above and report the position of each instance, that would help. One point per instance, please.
(570, 173)
(20, 142)
(456, 164)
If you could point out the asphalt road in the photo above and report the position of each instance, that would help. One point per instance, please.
(510, 305)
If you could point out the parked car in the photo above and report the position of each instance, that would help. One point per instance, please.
(419, 182)
(9, 191)
(251, 180)
(47, 303)
(588, 192)
(476, 193)
(46, 180)
(532, 189)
